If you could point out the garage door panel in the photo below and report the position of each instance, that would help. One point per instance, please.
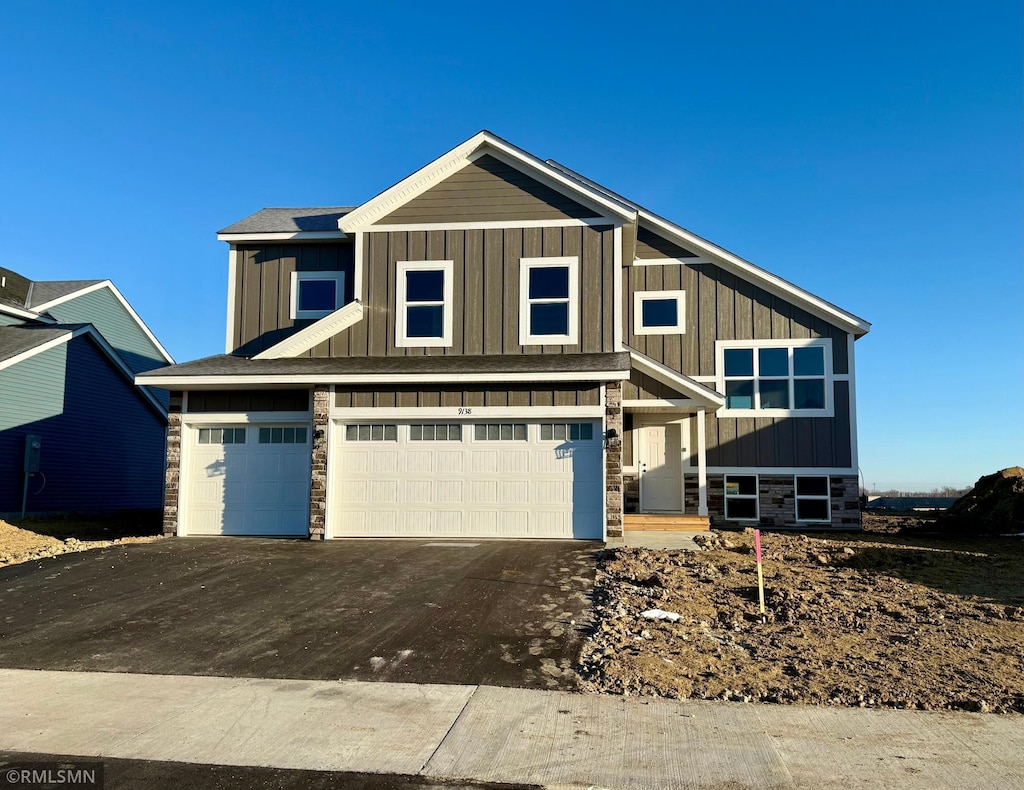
(468, 487)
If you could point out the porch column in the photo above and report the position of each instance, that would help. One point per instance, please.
(702, 464)
(318, 468)
(172, 471)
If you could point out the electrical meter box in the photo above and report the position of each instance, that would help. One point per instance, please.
(33, 450)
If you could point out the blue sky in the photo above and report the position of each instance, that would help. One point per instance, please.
(867, 151)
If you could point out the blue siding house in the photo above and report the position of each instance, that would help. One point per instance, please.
(68, 353)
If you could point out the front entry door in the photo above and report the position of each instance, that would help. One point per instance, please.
(661, 479)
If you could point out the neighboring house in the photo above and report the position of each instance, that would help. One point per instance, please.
(69, 352)
(498, 347)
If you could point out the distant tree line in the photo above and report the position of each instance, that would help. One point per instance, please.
(944, 491)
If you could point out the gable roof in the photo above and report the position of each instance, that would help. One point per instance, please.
(734, 263)
(481, 144)
(307, 223)
(18, 343)
(49, 291)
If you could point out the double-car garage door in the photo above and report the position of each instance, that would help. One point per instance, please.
(502, 479)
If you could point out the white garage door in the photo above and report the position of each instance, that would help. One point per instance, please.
(248, 480)
(509, 479)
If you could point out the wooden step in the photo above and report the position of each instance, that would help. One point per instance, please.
(636, 522)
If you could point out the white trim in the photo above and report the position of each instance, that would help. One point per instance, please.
(526, 265)
(293, 380)
(617, 292)
(782, 470)
(818, 497)
(676, 380)
(483, 142)
(314, 334)
(756, 496)
(824, 343)
(245, 417)
(339, 293)
(288, 235)
(358, 266)
(604, 464)
(702, 463)
(124, 303)
(229, 332)
(187, 441)
(852, 379)
(639, 297)
(686, 405)
(61, 339)
(19, 312)
(502, 224)
(668, 261)
(462, 413)
(447, 303)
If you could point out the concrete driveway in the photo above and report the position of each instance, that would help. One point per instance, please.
(506, 613)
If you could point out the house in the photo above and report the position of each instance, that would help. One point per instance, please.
(497, 346)
(76, 434)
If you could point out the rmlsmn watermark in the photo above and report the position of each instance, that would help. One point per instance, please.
(29, 776)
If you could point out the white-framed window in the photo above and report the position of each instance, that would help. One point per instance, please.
(813, 498)
(371, 432)
(435, 432)
(221, 436)
(316, 294)
(424, 309)
(283, 435)
(499, 432)
(741, 501)
(659, 312)
(566, 431)
(549, 301)
(776, 378)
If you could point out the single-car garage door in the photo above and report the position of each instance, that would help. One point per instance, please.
(508, 479)
(248, 480)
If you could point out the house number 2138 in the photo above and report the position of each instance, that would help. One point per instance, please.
(465, 411)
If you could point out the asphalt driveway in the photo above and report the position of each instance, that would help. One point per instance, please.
(506, 613)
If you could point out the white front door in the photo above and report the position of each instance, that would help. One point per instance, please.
(661, 478)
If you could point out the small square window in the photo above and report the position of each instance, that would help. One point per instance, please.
(659, 312)
(774, 393)
(739, 362)
(316, 294)
(773, 362)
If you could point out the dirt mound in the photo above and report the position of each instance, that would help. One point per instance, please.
(995, 506)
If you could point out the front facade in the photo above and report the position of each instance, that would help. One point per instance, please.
(497, 347)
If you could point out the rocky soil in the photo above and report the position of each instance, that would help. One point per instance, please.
(876, 619)
(23, 544)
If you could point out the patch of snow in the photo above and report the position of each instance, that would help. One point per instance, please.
(660, 614)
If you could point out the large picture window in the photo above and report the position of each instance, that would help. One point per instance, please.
(549, 301)
(776, 378)
(424, 310)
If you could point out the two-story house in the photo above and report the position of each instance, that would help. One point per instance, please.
(496, 346)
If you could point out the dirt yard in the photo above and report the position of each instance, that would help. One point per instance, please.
(32, 539)
(873, 619)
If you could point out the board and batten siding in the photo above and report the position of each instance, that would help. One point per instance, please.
(263, 283)
(650, 246)
(102, 443)
(486, 289)
(487, 190)
(509, 395)
(719, 306)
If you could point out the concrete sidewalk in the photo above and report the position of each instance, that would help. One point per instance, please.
(488, 734)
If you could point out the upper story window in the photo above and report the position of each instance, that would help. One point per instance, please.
(316, 294)
(549, 301)
(424, 309)
(771, 378)
(659, 312)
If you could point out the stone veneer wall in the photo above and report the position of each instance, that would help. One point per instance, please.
(613, 459)
(318, 466)
(172, 475)
(777, 497)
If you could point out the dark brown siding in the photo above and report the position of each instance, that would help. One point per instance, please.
(650, 246)
(487, 190)
(263, 289)
(486, 289)
(238, 401)
(719, 306)
(640, 386)
(783, 441)
(411, 396)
